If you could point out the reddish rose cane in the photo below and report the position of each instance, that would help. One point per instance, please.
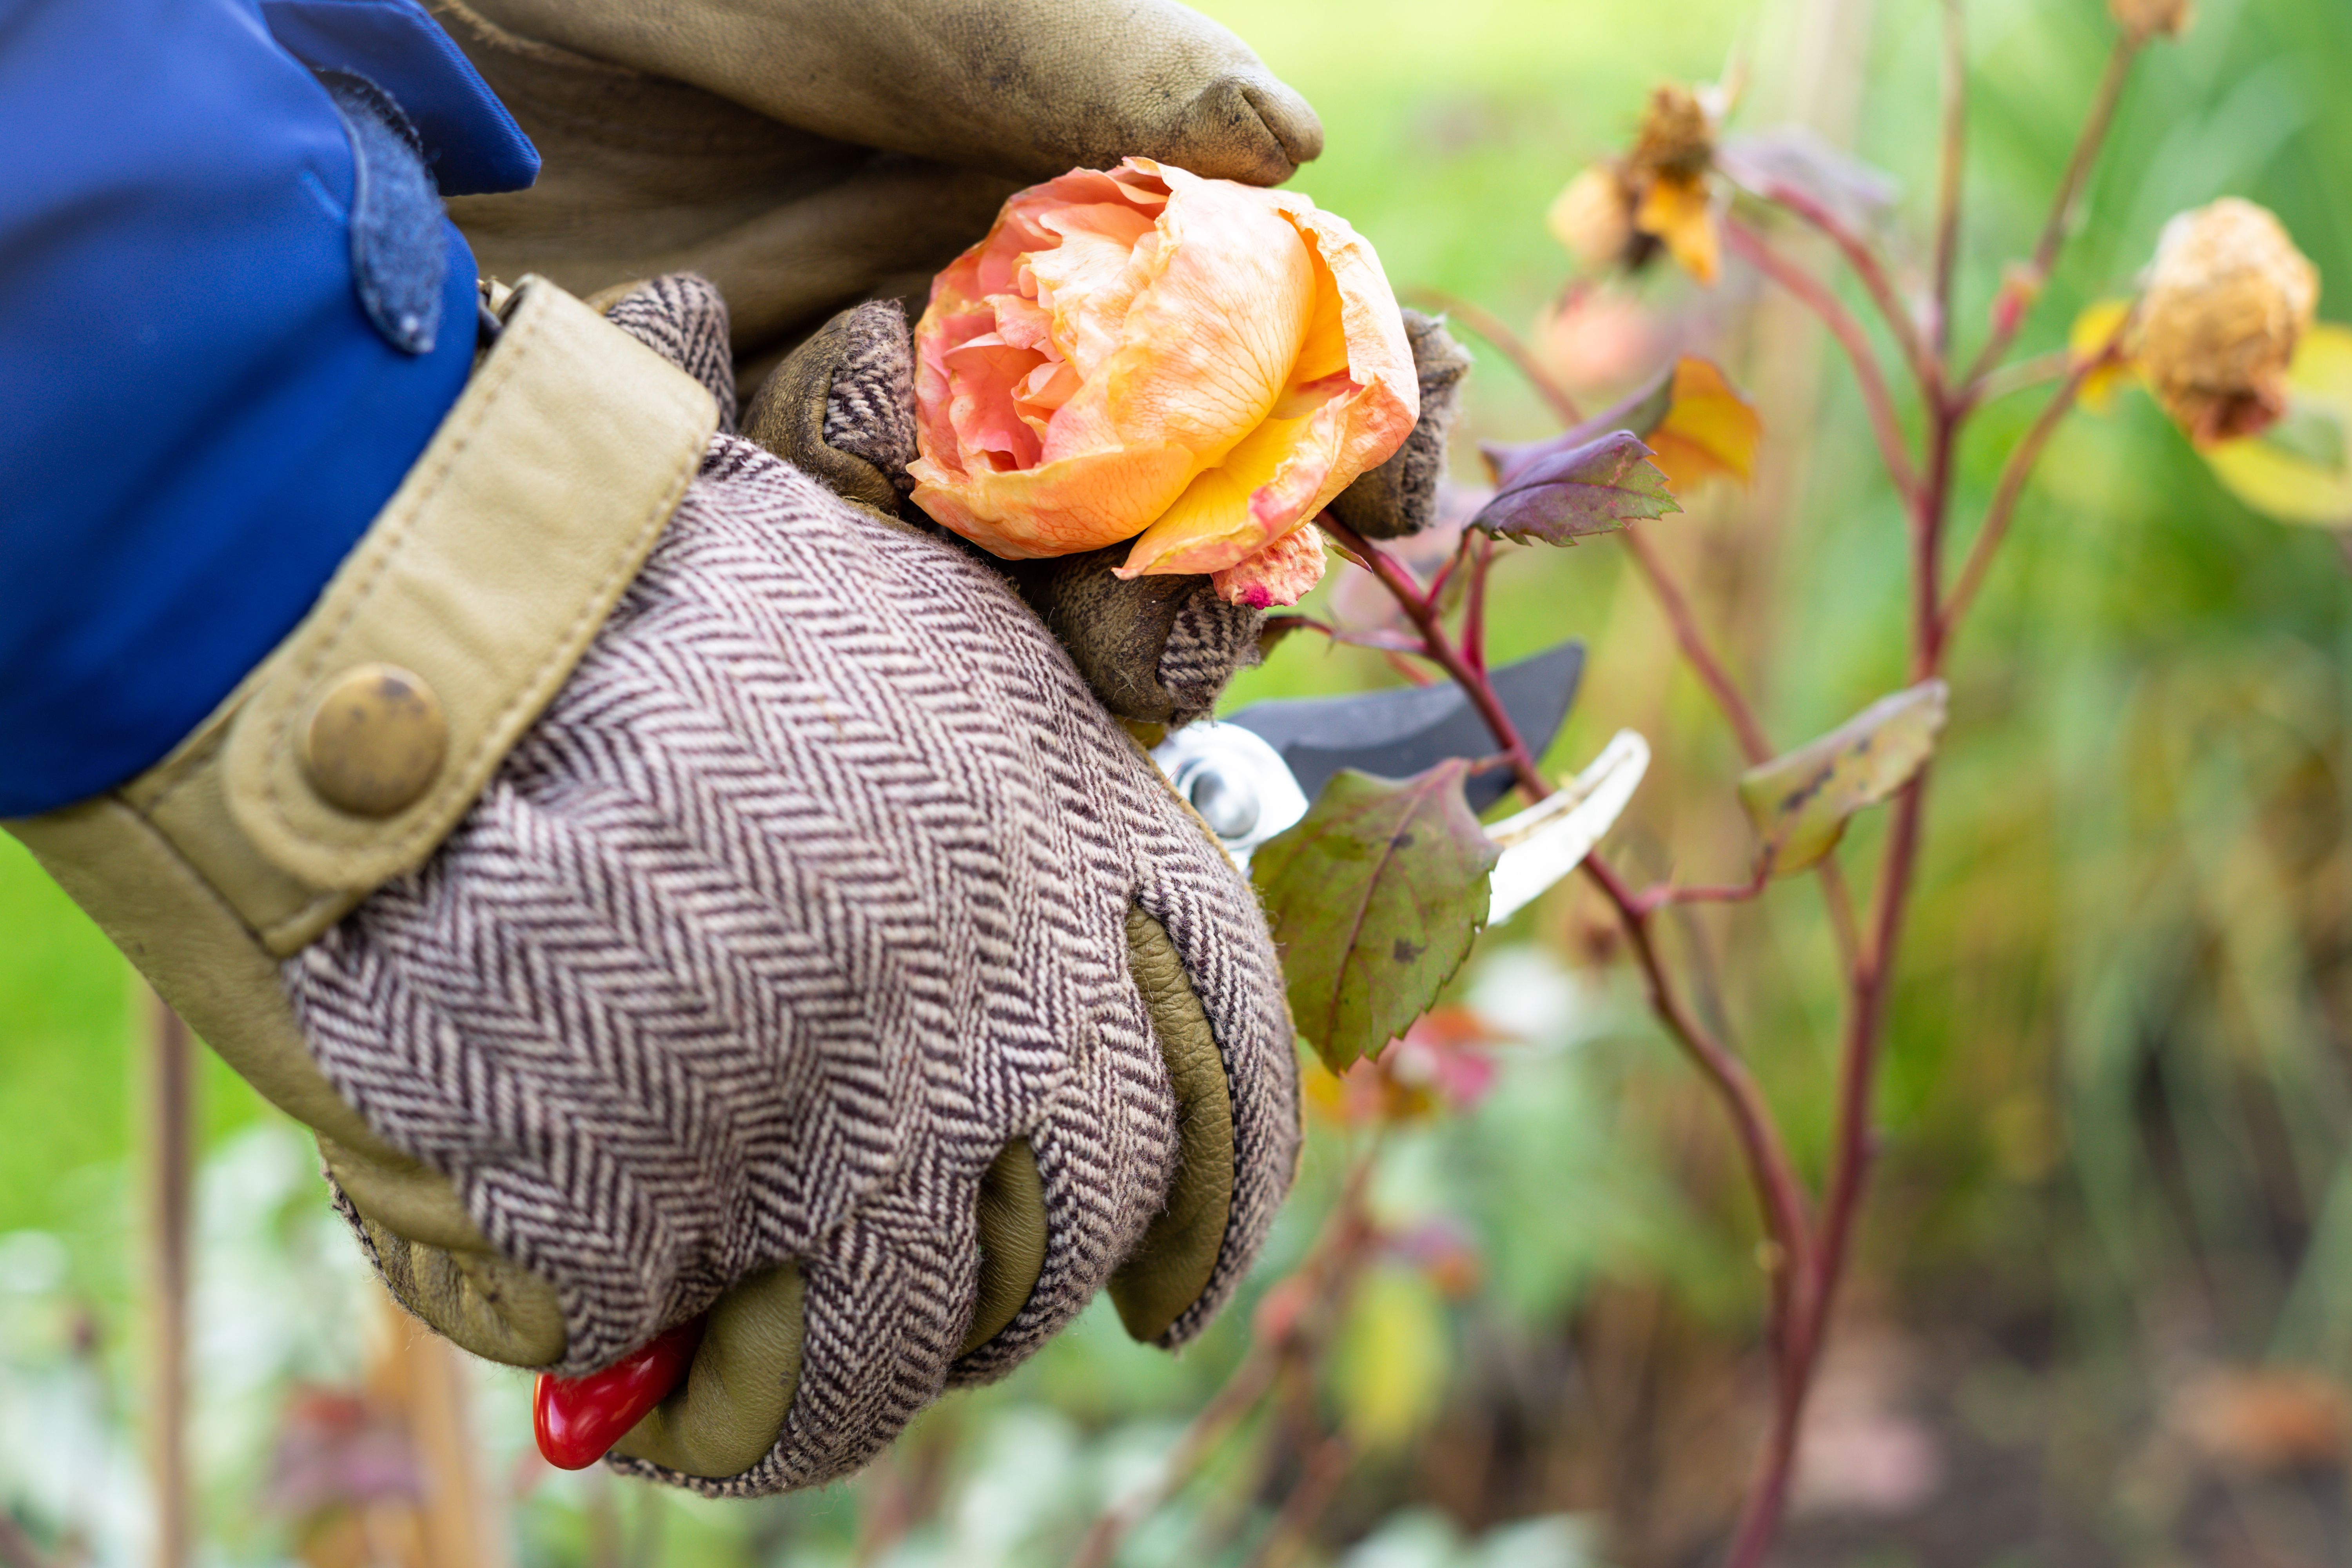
(579, 1419)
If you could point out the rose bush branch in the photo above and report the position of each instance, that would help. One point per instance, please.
(1492, 328)
(2019, 292)
(1772, 1172)
(2014, 474)
(1746, 728)
(1951, 164)
(1901, 321)
(1877, 401)
(1649, 900)
(1755, 744)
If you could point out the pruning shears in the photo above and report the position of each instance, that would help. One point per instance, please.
(1251, 776)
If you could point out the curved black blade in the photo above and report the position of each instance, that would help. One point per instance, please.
(1395, 734)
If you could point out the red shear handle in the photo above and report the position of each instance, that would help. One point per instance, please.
(579, 1418)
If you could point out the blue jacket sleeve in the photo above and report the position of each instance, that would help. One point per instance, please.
(199, 412)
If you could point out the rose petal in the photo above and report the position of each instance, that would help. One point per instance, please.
(1351, 403)
(1377, 353)
(1057, 508)
(981, 375)
(1204, 328)
(1086, 284)
(1285, 472)
(1210, 340)
(1281, 573)
(1681, 213)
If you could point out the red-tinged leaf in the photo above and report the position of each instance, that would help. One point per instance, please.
(1375, 896)
(1557, 493)
(1800, 803)
(1695, 422)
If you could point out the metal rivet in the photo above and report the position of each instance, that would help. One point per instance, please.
(1228, 804)
(375, 740)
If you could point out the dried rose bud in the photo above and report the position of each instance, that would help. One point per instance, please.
(1677, 134)
(2226, 298)
(1594, 217)
(2144, 19)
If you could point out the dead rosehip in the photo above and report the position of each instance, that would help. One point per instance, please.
(2228, 298)
(578, 1419)
(1677, 136)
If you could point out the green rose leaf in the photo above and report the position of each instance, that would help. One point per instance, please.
(1801, 802)
(1375, 896)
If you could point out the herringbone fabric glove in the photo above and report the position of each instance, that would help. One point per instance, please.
(823, 880)
(808, 895)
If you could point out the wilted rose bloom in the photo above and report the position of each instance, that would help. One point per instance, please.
(1619, 213)
(1593, 216)
(1143, 351)
(2228, 297)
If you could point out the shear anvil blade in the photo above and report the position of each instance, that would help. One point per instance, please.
(1396, 735)
(1551, 838)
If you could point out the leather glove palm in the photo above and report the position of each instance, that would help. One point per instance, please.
(806, 154)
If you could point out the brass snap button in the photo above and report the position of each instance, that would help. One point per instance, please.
(375, 740)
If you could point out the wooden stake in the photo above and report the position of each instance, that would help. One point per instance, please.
(171, 1144)
(460, 1519)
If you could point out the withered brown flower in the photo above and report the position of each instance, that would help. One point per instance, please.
(2228, 297)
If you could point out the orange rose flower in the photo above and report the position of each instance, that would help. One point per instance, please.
(1200, 362)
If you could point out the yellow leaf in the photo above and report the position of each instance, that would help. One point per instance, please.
(1678, 209)
(2300, 469)
(1710, 428)
(2090, 333)
(1801, 802)
(1389, 1366)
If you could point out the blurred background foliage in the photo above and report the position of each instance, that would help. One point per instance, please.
(2104, 1307)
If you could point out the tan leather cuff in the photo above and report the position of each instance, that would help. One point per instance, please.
(345, 758)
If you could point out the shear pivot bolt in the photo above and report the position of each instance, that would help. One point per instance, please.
(1228, 804)
(375, 740)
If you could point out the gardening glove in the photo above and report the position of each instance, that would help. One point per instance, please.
(806, 154)
(825, 958)
(671, 891)
(1158, 650)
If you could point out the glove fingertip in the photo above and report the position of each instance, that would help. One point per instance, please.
(1398, 497)
(841, 406)
(682, 317)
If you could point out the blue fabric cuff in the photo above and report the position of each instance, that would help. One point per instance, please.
(471, 144)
